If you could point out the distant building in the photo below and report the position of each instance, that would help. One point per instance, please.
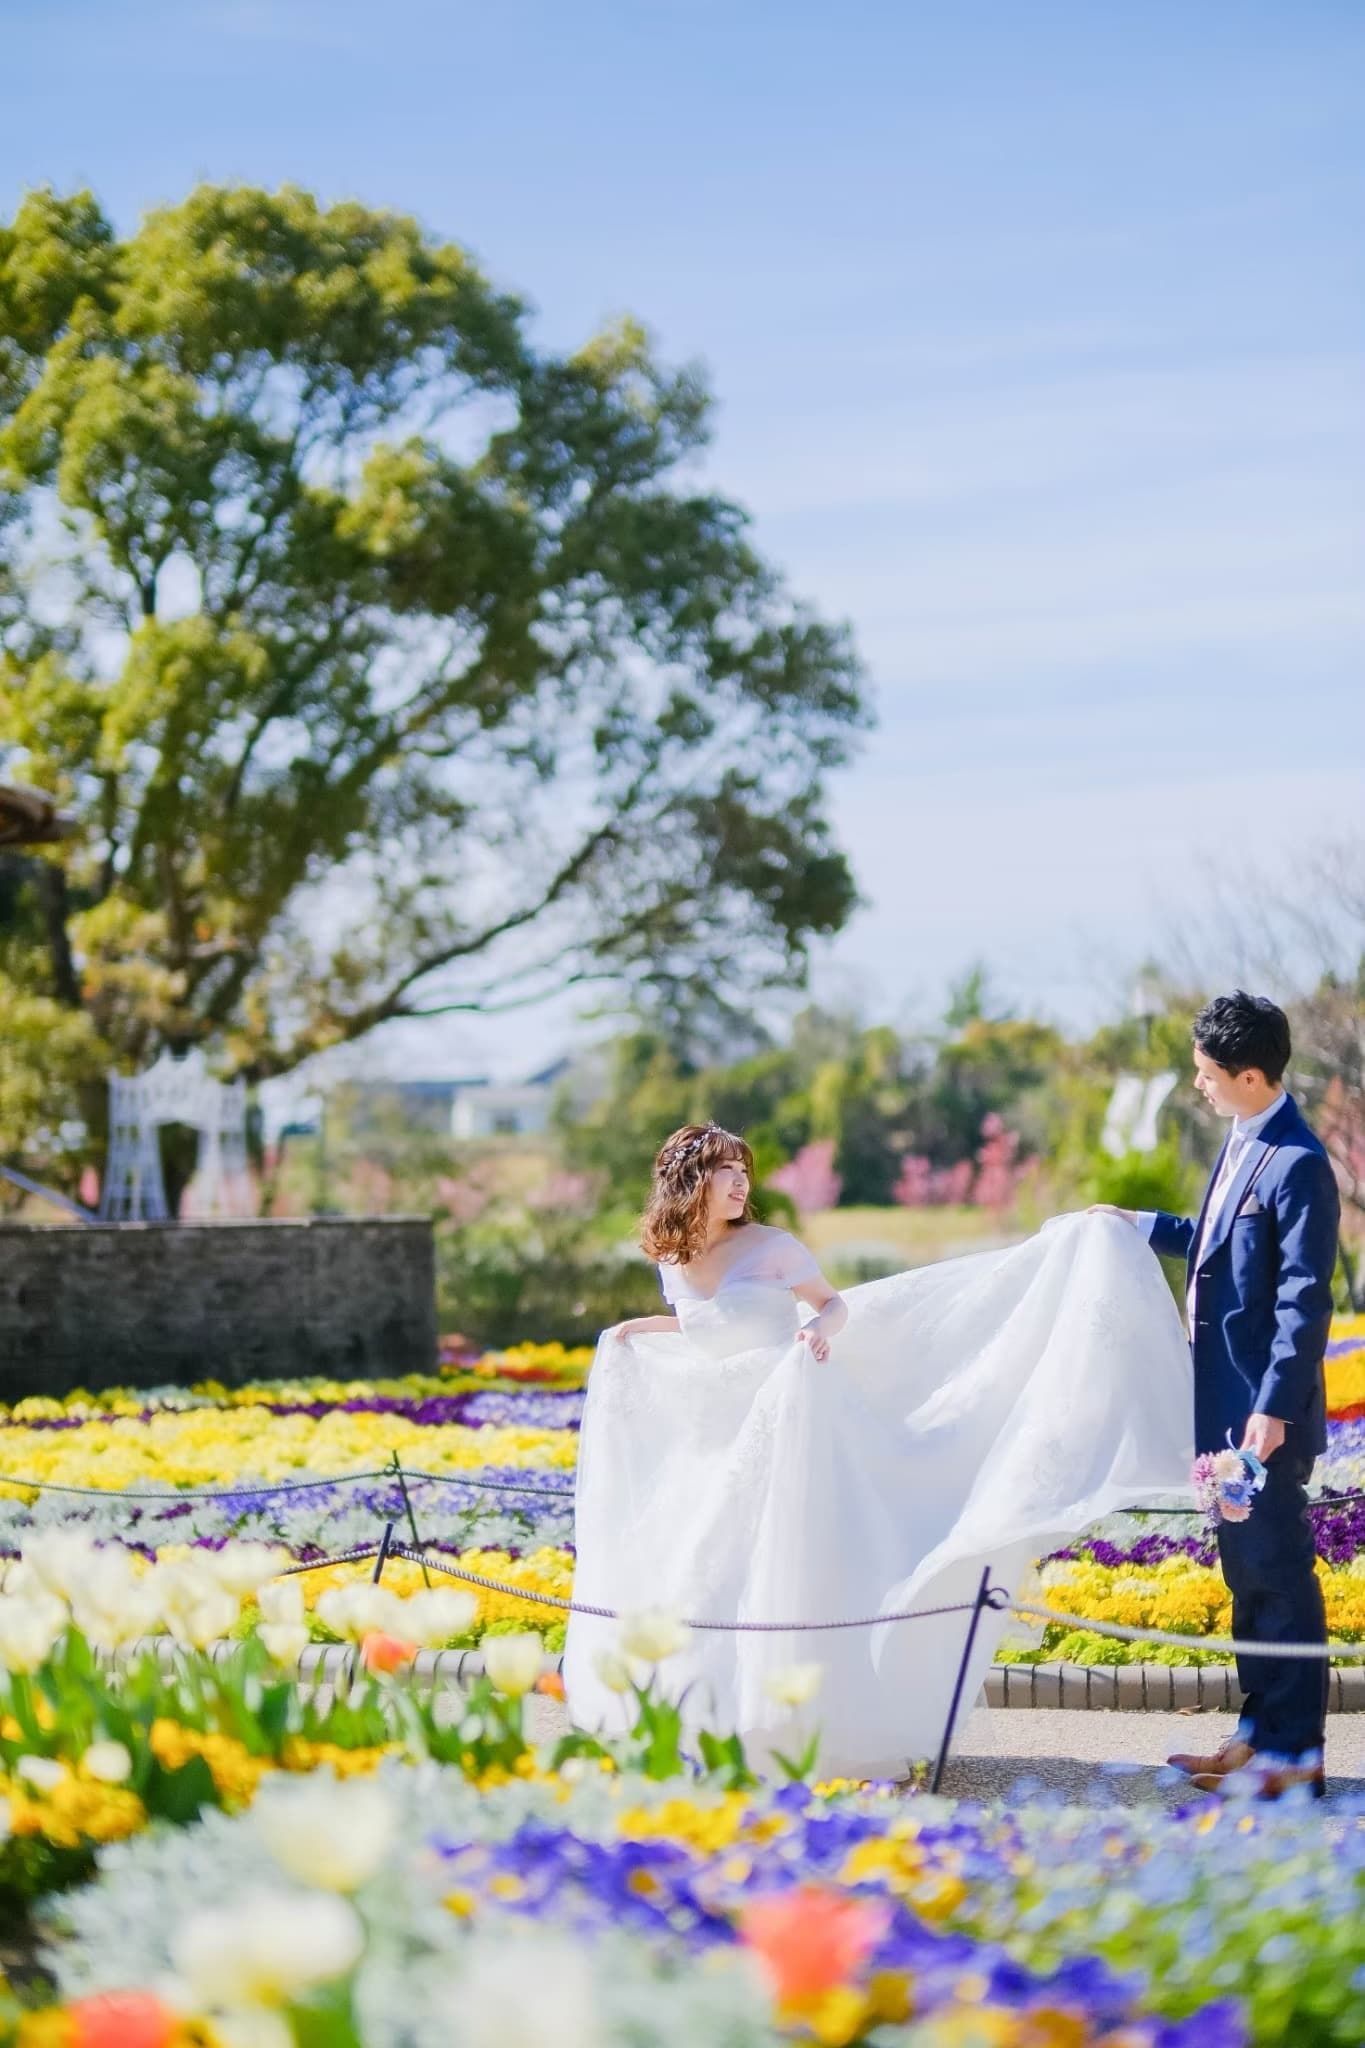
(477, 1108)
(404, 1105)
(520, 1109)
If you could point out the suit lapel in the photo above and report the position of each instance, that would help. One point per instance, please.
(1257, 1152)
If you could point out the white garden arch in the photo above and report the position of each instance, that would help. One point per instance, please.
(174, 1091)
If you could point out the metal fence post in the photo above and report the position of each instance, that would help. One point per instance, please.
(982, 1600)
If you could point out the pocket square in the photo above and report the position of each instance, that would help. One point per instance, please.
(1252, 1206)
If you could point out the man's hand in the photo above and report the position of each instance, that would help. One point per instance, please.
(1263, 1436)
(1108, 1209)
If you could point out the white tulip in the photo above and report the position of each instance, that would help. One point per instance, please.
(44, 1773)
(242, 1568)
(512, 1662)
(359, 1610)
(30, 1628)
(613, 1670)
(207, 1621)
(61, 1558)
(334, 1837)
(653, 1634)
(115, 1603)
(285, 1641)
(109, 1763)
(182, 1586)
(794, 1684)
(109, 1578)
(257, 2027)
(267, 1949)
(523, 1995)
(433, 1617)
(281, 1601)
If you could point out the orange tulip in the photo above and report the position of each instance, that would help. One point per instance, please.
(551, 1684)
(121, 2019)
(379, 1652)
(809, 1941)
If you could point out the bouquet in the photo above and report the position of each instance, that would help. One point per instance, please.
(1226, 1483)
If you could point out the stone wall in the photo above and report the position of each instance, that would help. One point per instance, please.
(138, 1304)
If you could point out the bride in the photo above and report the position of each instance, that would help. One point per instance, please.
(771, 1450)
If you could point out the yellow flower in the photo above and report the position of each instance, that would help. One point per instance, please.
(235, 1772)
(300, 1755)
(74, 1811)
(705, 1829)
(49, 2029)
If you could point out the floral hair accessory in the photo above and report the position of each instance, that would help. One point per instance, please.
(1227, 1482)
(679, 1153)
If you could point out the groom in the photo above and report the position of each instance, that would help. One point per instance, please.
(1260, 1261)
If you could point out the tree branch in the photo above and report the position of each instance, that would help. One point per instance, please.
(53, 896)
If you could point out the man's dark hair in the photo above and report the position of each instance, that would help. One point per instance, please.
(1240, 1031)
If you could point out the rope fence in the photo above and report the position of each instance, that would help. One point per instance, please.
(277, 1486)
(361, 1552)
(1229, 1646)
(614, 1614)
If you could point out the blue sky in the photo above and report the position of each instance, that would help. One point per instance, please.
(1038, 340)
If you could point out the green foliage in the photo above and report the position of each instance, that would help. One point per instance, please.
(515, 1278)
(878, 1096)
(361, 727)
(1142, 1180)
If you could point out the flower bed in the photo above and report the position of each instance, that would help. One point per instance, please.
(1161, 1572)
(210, 1854)
(498, 1435)
(214, 1857)
(588, 1907)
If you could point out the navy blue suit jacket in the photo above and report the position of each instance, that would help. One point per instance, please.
(1263, 1304)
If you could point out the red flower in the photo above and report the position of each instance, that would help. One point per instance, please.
(379, 1652)
(809, 1940)
(121, 2019)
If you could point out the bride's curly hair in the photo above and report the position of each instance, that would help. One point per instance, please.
(674, 1222)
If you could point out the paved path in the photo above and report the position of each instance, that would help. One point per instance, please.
(1122, 1754)
(1114, 1754)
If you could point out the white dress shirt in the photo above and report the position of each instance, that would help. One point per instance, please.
(1245, 1130)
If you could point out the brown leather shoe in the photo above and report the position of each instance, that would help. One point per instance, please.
(1276, 1782)
(1263, 1778)
(1232, 1755)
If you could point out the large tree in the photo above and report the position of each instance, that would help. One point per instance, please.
(394, 664)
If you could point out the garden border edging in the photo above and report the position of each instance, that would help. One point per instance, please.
(1146, 1688)
(1133, 1688)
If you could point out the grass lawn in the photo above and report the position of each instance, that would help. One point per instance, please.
(906, 1237)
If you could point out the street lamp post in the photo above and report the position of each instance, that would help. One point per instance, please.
(1147, 1003)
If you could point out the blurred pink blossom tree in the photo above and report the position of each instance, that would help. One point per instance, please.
(465, 1200)
(916, 1179)
(564, 1190)
(992, 1181)
(998, 1168)
(809, 1180)
(950, 1187)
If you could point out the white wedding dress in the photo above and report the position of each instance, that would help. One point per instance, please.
(971, 1413)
